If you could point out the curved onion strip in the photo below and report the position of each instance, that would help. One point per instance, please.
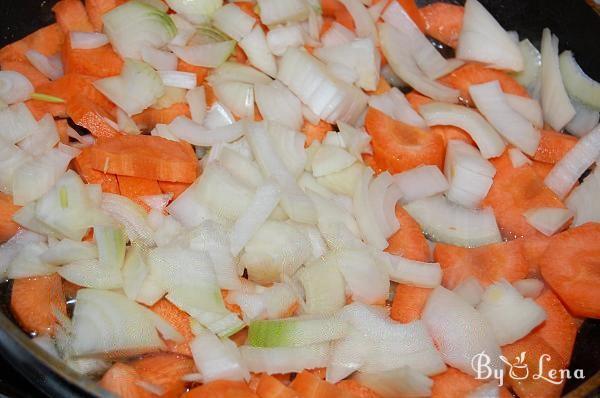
(87, 40)
(578, 84)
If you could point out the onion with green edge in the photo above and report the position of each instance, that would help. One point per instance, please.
(293, 332)
(578, 84)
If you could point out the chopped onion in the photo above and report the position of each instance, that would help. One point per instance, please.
(582, 201)
(448, 223)
(27, 262)
(567, 170)
(218, 359)
(529, 108)
(268, 303)
(347, 356)
(256, 49)
(366, 280)
(232, 71)
(532, 61)
(159, 59)
(42, 139)
(218, 116)
(295, 332)
(11, 248)
(548, 220)
(459, 331)
(237, 96)
(337, 34)
(415, 273)
(189, 131)
(285, 359)
(92, 273)
(584, 121)
(394, 104)
(355, 140)
(470, 290)
(401, 382)
(510, 316)
(67, 251)
(50, 67)
(16, 123)
(371, 230)
(135, 272)
(87, 40)
(196, 99)
(323, 285)
(556, 105)
(579, 85)
(363, 24)
(131, 216)
(241, 167)
(208, 55)
(517, 158)
(330, 159)
(482, 39)
(492, 103)
(421, 182)
(126, 123)
(280, 38)
(278, 104)
(134, 26)
(14, 87)
(382, 212)
(530, 288)
(273, 12)
(196, 11)
(231, 20)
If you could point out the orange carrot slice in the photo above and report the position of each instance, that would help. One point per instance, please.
(453, 384)
(443, 22)
(82, 165)
(40, 108)
(330, 7)
(221, 389)
(201, 72)
(488, 263)
(75, 86)
(150, 117)
(176, 188)
(72, 16)
(409, 240)
(69, 288)
(36, 77)
(134, 187)
(359, 391)
(401, 147)
(370, 161)
(315, 132)
(533, 249)
(7, 226)
(308, 385)
(62, 126)
(97, 8)
(91, 116)
(408, 303)
(416, 99)
(474, 73)
(343, 17)
(269, 387)
(541, 169)
(146, 156)
(180, 321)
(34, 300)
(165, 371)
(47, 40)
(123, 381)
(515, 191)
(100, 62)
(553, 146)
(570, 267)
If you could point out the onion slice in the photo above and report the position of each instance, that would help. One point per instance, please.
(394, 104)
(421, 182)
(579, 85)
(548, 220)
(583, 200)
(87, 40)
(14, 87)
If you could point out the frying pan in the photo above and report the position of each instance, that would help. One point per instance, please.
(575, 23)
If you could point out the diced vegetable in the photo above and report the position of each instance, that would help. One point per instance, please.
(581, 200)
(217, 359)
(324, 287)
(294, 332)
(14, 87)
(577, 83)
(284, 359)
(548, 220)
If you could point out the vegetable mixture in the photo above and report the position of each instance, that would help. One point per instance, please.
(298, 198)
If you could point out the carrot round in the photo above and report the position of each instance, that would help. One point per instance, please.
(34, 300)
(408, 303)
(488, 263)
(122, 380)
(7, 226)
(72, 16)
(221, 389)
(315, 132)
(553, 146)
(409, 240)
(443, 22)
(541, 169)
(570, 267)
(400, 147)
(359, 390)
(180, 321)
(370, 161)
(269, 387)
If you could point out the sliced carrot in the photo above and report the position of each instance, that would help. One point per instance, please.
(327, 22)
(40, 108)
(134, 187)
(34, 300)
(201, 72)
(165, 371)
(62, 126)
(541, 169)
(97, 8)
(330, 7)
(443, 22)
(270, 387)
(47, 40)
(359, 390)
(515, 191)
(343, 17)
(123, 381)
(176, 188)
(370, 161)
(7, 209)
(570, 267)
(409, 240)
(308, 385)
(553, 146)
(221, 389)
(533, 249)
(321, 373)
(146, 156)
(91, 116)
(474, 73)
(36, 77)
(249, 8)
(180, 321)
(150, 117)
(74, 86)
(100, 62)
(82, 165)
(455, 384)
(239, 55)
(452, 133)
(401, 147)
(315, 132)
(72, 16)
(488, 263)
(410, 6)
(416, 99)
(408, 303)
(69, 288)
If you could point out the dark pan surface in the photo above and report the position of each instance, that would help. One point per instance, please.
(573, 21)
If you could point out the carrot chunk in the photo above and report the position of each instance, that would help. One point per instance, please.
(83, 166)
(456, 384)
(308, 385)
(150, 117)
(409, 240)
(123, 381)
(315, 132)
(72, 16)
(400, 147)
(443, 22)
(570, 266)
(134, 187)
(533, 249)
(180, 321)
(47, 40)
(343, 17)
(100, 62)
(359, 390)
(165, 371)
(221, 389)
(408, 303)
(34, 300)
(410, 6)
(7, 209)
(488, 263)
(97, 8)
(269, 387)
(91, 116)
(553, 146)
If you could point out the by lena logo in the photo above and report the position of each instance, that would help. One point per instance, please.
(520, 369)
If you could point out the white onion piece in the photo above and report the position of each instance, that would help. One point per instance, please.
(459, 331)
(184, 30)
(189, 131)
(348, 354)
(323, 285)
(371, 231)
(548, 220)
(198, 11)
(107, 323)
(232, 21)
(470, 290)
(27, 262)
(482, 39)
(337, 34)
(208, 55)
(364, 25)
(130, 215)
(492, 103)
(529, 108)
(42, 139)
(196, 99)
(377, 195)
(448, 223)
(16, 123)
(67, 251)
(10, 249)
(401, 382)
(14, 87)
(87, 40)
(134, 272)
(91, 273)
(487, 139)
(331, 159)
(273, 12)
(582, 201)
(174, 78)
(278, 104)
(421, 182)
(366, 280)
(218, 359)
(532, 60)
(218, 116)
(579, 85)
(415, 273)
(159, 59)
(50, 67)
(530, 288)
(567, 170)
(268, 303)
(396, 48)
(517, 158)
(584, 121)
(510, 316)
(280, 38)
(237, 96)
(556, 105)
(256, 49)
(232, 71)
(285, 359)
(394, 104)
